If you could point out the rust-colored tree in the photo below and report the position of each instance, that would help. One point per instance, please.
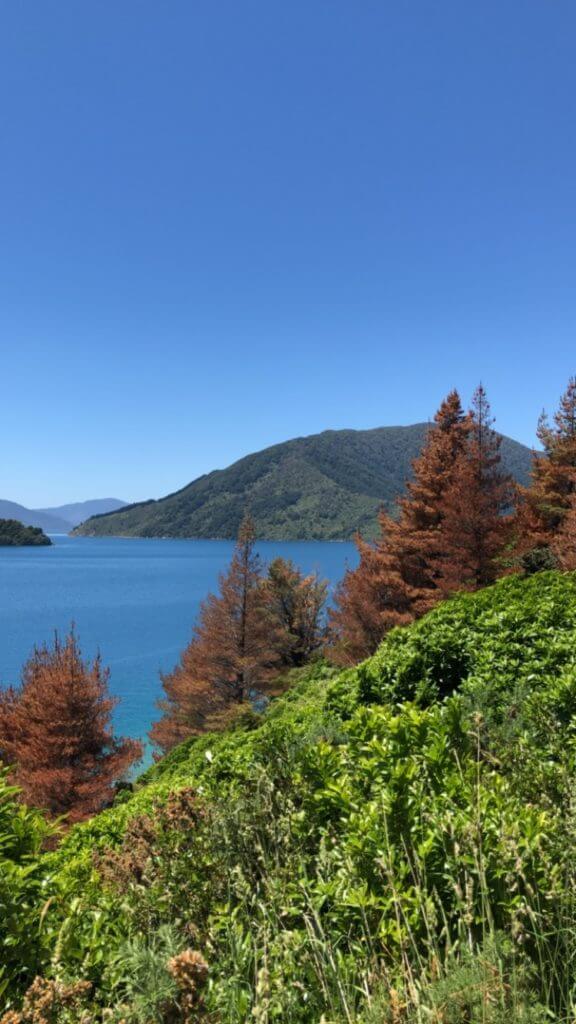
(295, 604)
(548, 500)
(395, 581)
(232, 657)
(475, 509)
(563, 546)
(370, 600)
(55, 730)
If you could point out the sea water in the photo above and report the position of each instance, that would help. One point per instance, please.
(133, 600)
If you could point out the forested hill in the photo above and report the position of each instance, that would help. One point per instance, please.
(14, 534)
(323, 487)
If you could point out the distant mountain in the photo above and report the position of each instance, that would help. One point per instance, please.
(323, 487)
(13, 534)
(78, 511)
(45, 520)
(61, 519)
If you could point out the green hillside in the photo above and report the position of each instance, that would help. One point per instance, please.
(388, 844)
(323, 487)
(14, 534)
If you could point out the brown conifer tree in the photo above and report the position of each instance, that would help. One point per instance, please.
(56, 732)
(546, 502)
(233, 655)
(295, 604)
(475, 509)
(370, 600)
(395, 581)
(563, 546)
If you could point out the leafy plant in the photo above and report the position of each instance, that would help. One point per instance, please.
(23, 888)
(392, 844)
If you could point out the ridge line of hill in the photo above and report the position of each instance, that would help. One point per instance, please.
(325, 486)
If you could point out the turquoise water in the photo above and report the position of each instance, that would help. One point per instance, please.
(133, 600)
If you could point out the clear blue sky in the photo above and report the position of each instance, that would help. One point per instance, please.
(224, 224)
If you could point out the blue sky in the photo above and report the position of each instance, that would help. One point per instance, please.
(225, 224)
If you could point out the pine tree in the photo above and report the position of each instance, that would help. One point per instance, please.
(475, 509)
(563, 546)
(417, 535)
(395, 581)
(55, 730)
(546, 502)
(370, 600)
(232, 657)
(295, 604)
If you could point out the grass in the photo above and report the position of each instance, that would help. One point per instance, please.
(393, 843)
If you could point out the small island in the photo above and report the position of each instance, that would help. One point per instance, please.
(14, 534)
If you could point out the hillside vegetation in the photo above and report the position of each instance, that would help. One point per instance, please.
(323, 487)
(389, 843)
(16, 534)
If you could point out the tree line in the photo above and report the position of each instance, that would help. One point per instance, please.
(461, 524)
(258, 627)
(56, 727)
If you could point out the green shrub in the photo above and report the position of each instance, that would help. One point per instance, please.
(23, 889)
(389, 843)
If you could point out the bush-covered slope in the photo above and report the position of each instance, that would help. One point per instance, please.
(390, 843)
(323, 487)
(16, 535)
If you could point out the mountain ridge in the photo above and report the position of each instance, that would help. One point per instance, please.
(30, 517)
(61, 518)
(76, 512)
(324, 486)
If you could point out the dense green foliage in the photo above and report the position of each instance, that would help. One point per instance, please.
(390, 843)
(323, 487)
(15, 534)
(22, 879)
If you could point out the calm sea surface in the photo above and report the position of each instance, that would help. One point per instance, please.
(133, 600)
